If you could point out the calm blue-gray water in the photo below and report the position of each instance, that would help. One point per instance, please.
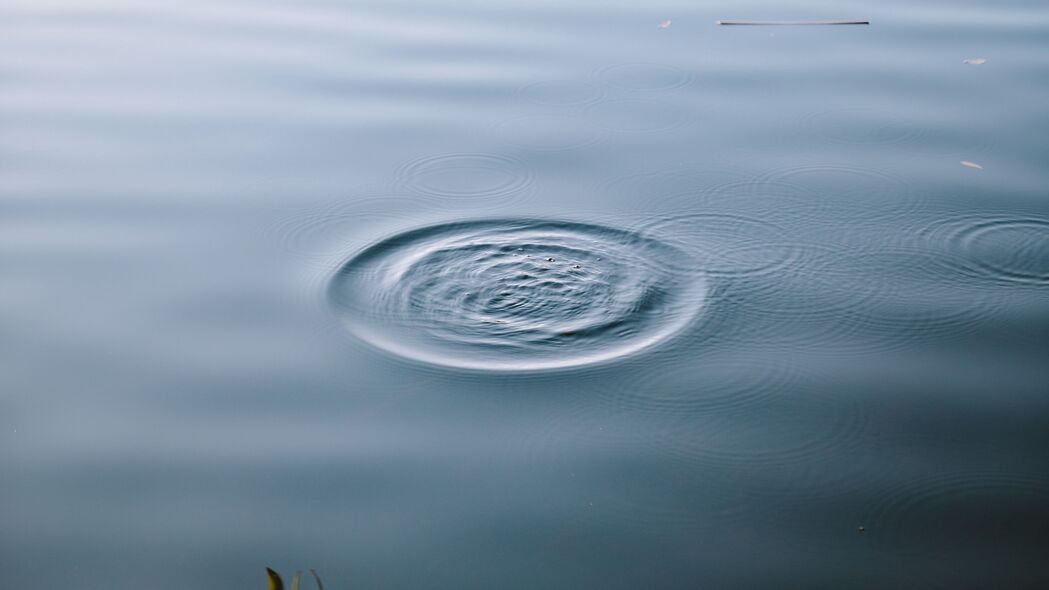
(524, 294)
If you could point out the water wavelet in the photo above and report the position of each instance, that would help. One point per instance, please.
(850, 300)
(644, 76)
(883, 129)
(724, 243)
(654, 191)
(550, 132)
(852, 192)
(311, 234)
(634, 115)
(515, 294)
(481, 180)
(584, 453)
(1004, 248)
(561, 92)
(809, 304)
(863, 126)
(911, 295)
(715, 383)
(948, 526)
(784, 444)
(784, 204)
(809, 287)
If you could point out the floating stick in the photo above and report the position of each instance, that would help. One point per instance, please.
(790, 23)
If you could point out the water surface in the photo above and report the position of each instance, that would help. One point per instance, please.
(523, 294)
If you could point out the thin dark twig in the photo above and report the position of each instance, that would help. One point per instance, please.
(789, 23)
(316, 578)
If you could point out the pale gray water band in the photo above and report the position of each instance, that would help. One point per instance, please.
(805, 348)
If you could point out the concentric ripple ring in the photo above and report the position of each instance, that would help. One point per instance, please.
(516, 294)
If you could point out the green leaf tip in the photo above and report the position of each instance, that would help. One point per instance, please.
(275, 582)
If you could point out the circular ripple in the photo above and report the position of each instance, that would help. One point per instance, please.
(790, 428)
(644, 76)
(909, 294)
(473, 177)
(561, 92)
(516, 294)
(724, 244)
(782, 203)
(849, 300)
(716, 384)
(1003, 248)
(848, 190)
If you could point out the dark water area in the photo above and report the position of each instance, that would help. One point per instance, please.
(524, 294)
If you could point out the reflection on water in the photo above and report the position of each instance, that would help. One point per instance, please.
(523, 295)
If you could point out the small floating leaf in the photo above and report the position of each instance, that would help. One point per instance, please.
(972, 164)
(275, 582)
(665, 24)
(975, 61)
(317, 579)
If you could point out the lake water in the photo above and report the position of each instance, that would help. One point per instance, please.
(524, 294)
